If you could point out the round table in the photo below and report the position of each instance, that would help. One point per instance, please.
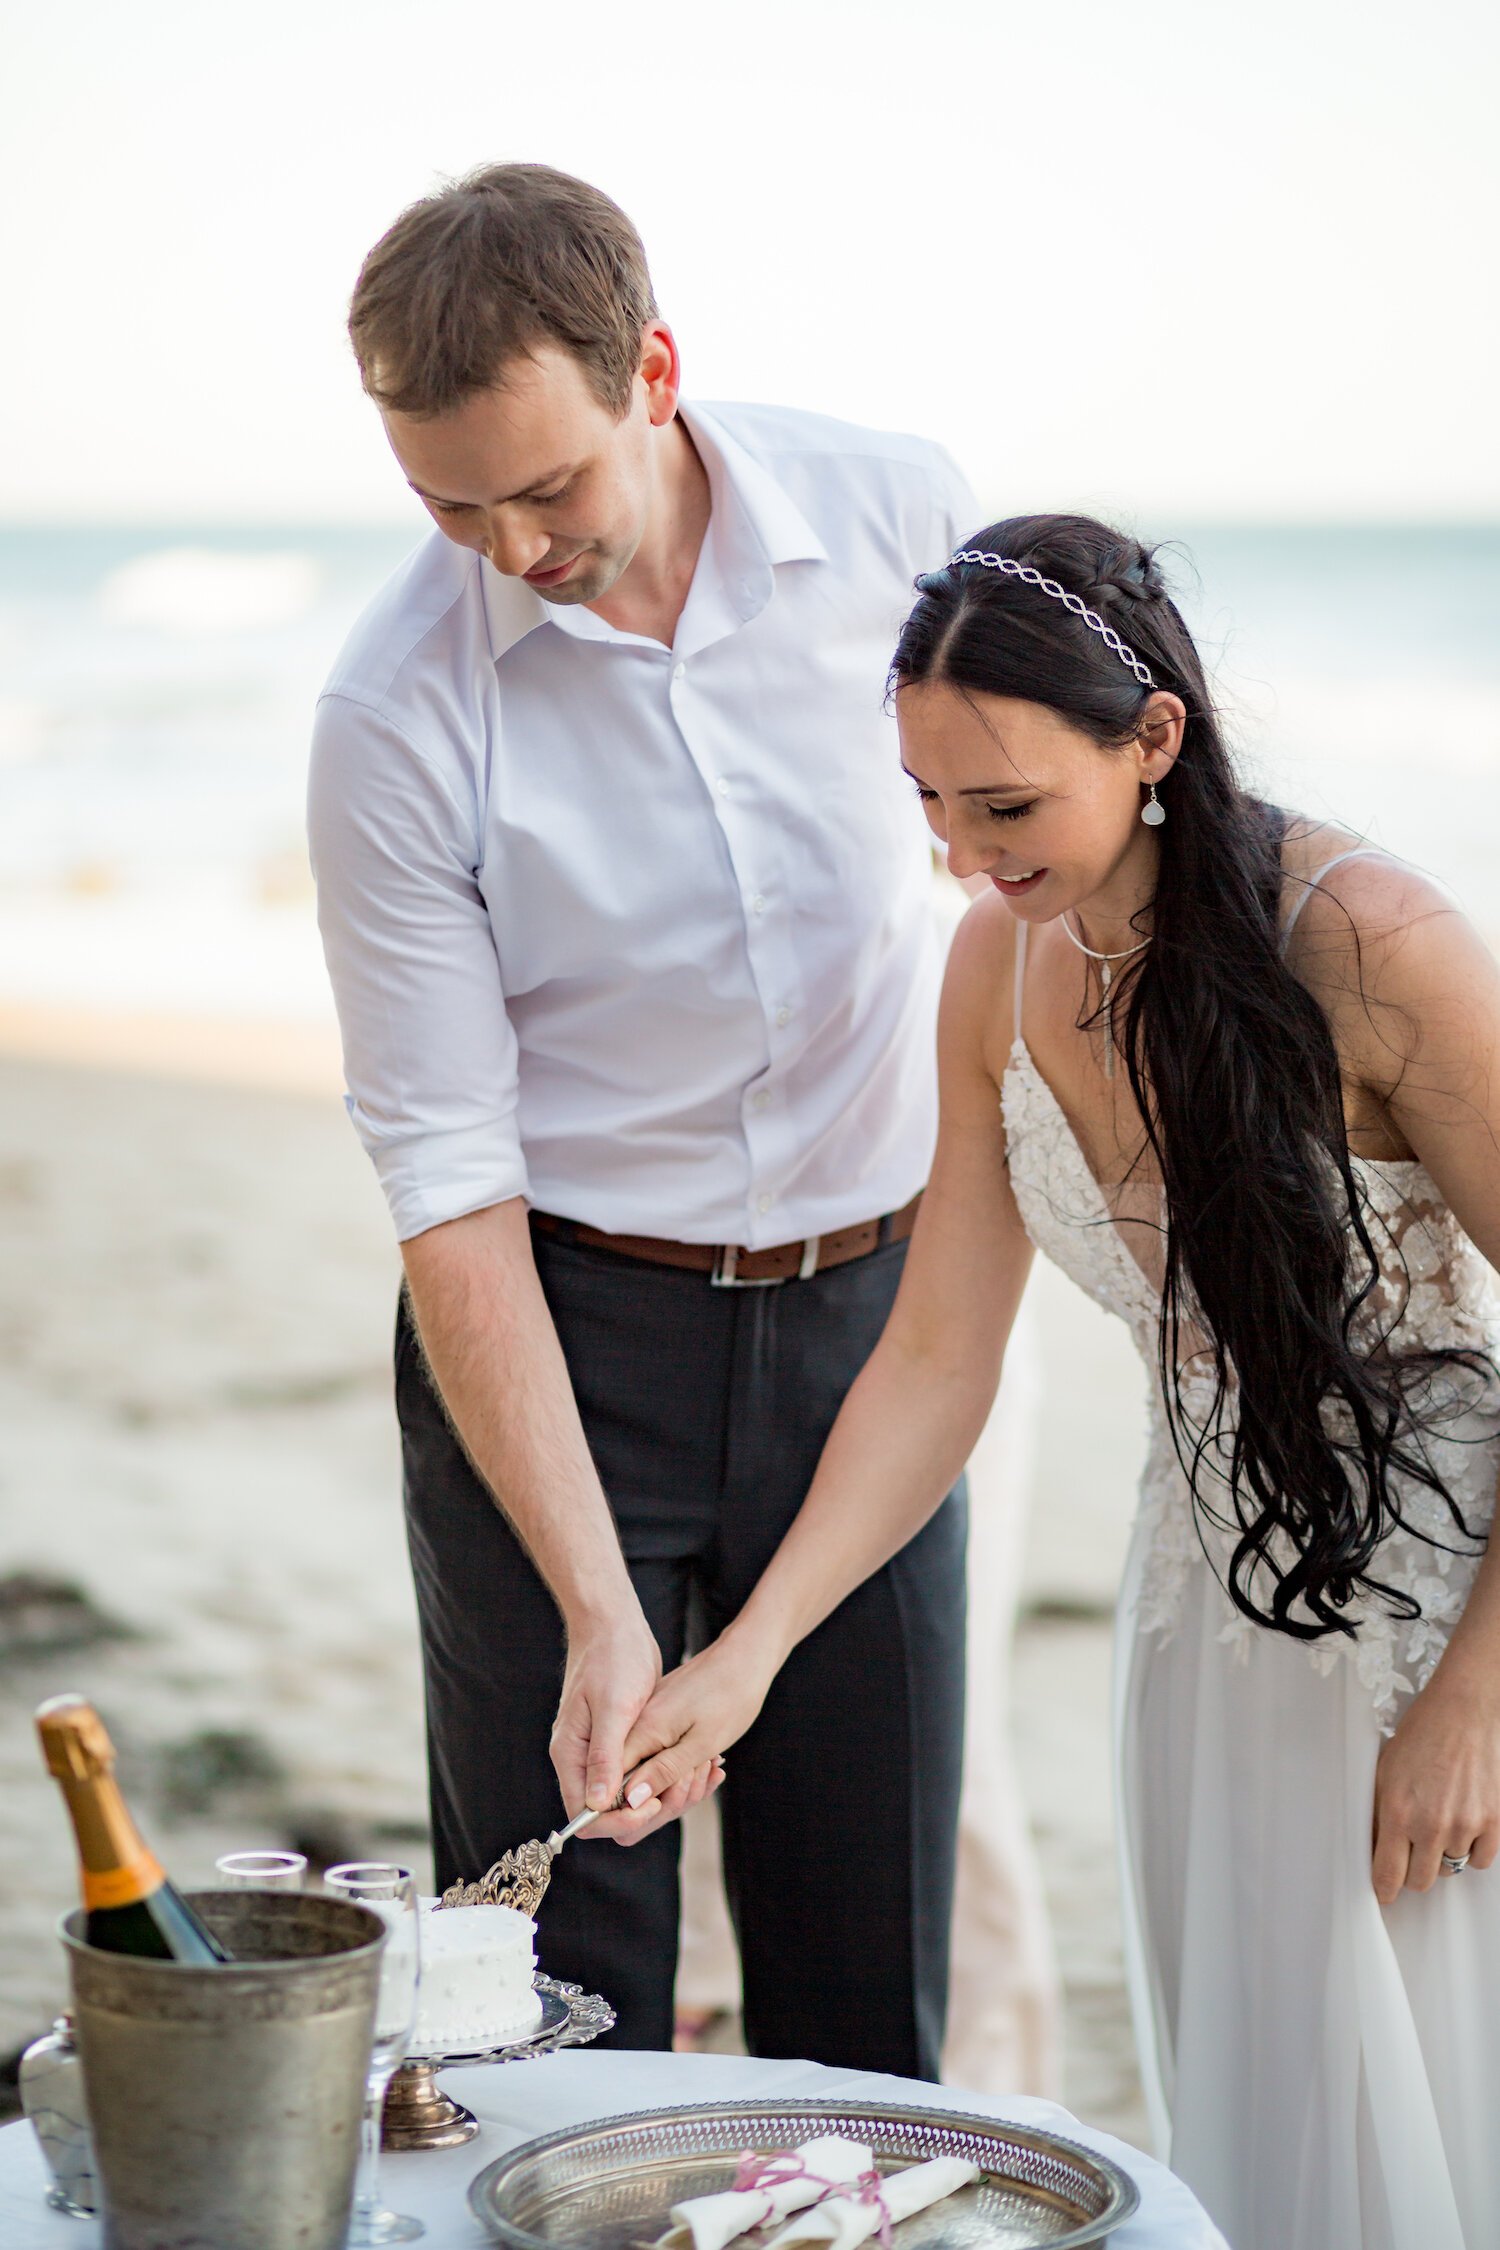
(515, 2101)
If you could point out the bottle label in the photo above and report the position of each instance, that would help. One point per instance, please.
(122, 1886)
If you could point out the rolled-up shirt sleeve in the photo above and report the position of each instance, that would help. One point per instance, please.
(430, 1058)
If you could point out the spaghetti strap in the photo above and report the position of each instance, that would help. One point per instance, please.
(1311, 882)
(1015, 1017)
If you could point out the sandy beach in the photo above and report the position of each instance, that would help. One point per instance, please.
(199, 1506)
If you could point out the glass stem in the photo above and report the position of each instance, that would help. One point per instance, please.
(367, 2179)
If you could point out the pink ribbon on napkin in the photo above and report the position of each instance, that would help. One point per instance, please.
(868, 2189)
(775, 2171)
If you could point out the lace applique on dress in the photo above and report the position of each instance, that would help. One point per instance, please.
(1433, 1291)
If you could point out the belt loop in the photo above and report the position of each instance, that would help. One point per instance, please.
(886, 1229)
(809, 1265)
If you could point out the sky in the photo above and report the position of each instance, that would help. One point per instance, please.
(1172, 260)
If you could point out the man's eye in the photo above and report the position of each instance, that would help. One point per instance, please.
(545, 499)
(450, 507)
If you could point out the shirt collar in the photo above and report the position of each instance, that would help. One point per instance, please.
(512, 609)
(777, 524)
(747, 501)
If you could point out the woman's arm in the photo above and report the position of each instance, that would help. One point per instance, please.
(911, 1418)
(1417, 1019)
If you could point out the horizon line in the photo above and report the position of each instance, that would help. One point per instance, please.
(228, 521)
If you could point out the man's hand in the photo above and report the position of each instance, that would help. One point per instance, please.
(612, 1672)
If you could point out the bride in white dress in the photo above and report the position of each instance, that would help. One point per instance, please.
(1237, 1075)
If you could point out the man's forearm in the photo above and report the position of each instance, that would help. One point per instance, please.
(492, 1346)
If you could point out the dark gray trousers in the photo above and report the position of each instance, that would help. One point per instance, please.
(706, 1410)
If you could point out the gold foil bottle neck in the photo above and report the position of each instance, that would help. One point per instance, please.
(75, 1741)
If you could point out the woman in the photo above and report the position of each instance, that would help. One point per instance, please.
(1234, 1072)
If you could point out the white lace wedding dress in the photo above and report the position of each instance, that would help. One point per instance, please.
(1324, 2072)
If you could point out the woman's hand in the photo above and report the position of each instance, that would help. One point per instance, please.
(695, 1715)
(1437, 1785)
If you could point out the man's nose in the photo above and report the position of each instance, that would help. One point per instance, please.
(514, 548)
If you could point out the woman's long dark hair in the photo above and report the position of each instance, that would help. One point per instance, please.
(1268, 1253)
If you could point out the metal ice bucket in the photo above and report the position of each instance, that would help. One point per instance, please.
(225, 2102)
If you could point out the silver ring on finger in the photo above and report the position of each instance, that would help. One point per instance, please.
(1455, 1863)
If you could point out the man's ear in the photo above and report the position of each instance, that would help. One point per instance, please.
(661, 372)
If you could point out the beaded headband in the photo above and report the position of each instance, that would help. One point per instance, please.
(1030, 576)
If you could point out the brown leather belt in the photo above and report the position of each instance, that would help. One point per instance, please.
(729, 1267)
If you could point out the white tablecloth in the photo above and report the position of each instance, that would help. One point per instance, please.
(515, 2101)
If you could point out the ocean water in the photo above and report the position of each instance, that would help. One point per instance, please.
(1359, 673)
(156, 687)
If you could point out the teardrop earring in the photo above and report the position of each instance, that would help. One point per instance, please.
(1153, 813)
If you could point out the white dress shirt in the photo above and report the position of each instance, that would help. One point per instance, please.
(646, 935)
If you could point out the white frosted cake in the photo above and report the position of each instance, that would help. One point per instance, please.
(475, 1989)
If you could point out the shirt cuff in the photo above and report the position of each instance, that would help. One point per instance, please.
(430, 1178)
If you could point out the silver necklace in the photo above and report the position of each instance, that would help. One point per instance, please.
(1106, 979)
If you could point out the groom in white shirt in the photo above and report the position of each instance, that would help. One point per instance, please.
(627, 907)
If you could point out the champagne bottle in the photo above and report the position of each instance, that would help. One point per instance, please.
(131, 1906)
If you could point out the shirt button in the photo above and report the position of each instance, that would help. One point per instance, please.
(783, 1017)
(722, 786)
(762, 1100)
(679, 671)
(763, 1203)
(757, 904)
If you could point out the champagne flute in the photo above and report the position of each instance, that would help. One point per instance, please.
(392, 1893)
(261, 1871)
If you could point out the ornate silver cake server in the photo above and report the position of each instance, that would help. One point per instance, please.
(518, 1878)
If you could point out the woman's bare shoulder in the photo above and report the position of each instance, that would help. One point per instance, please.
(1370, 895)
(1383, 947)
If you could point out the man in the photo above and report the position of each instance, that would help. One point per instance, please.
(627, 910)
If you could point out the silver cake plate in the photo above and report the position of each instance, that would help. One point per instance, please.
(556, 2015)
(610, 2185)
(418, 2114)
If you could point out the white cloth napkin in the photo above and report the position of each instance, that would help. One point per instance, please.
(845, 2221)
(712, 2221)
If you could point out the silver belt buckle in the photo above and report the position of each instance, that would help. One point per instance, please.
(725, 1275)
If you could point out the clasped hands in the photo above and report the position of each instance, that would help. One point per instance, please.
(619, 1717)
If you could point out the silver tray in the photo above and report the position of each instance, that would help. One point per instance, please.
(611, 2184)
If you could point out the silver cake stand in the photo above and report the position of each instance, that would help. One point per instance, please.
(418, 2114)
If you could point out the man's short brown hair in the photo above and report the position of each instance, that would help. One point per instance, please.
(483, 272)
